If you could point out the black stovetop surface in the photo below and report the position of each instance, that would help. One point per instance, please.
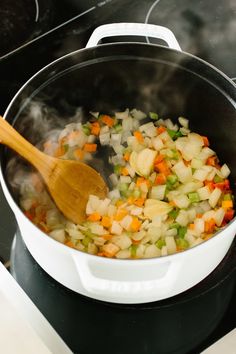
(51, 29)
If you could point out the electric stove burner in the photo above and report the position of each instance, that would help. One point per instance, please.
(21, 21)
(186, 323)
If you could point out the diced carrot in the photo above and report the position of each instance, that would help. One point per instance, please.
(138, 135)
(172, 203)
(90, 147)
(121, 213)
(135, 224)
(161, 129)
(119, 202)
(29, 215)
(139, 202)
(108, 120)
(106, 221)
(209, 184)
(95, 128)
(205, 141)
(160, 179)
(107, 237)
(220, 185)
(124, 171)
(60, 151)
(136, 242)
(130, 200)
(227, 204)
(229, 215)
(94, 217)
(69, 244)
(101, 254)
(162, 167)
(43, 227)
(110, 250)
(191, 226)
(212, 161)
(159, 158)
(141, 180)
(199, 215)
(209, 226)
(126, 156)
(79, 154)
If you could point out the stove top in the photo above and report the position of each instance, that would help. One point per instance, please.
(36, 32)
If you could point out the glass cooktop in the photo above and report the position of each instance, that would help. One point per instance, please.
(36, 32)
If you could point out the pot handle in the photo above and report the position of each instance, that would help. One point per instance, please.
(133, 29)
(123, 290)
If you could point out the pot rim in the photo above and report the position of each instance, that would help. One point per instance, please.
(14, 206)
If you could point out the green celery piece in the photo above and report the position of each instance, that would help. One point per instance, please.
(227, 196)
(175, 225)
(86, 241)
(182, 243)
(178, 134)
(171, 133)
(117, 169)
(136, 193)
(86, 130)
(133, 249)
(160, 243)
(218, 179)
(153, 115)
(172, 179)
(66, 147)
(182, 231)
(118, 128)
(173, 213)
(194, 197)
(123, 187)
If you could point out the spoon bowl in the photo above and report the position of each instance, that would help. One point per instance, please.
(69, 182)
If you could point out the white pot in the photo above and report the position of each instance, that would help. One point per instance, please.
(123, 281)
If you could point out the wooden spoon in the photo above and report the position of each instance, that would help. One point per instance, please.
(69, 182)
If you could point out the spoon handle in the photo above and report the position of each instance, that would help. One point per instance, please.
(10, 137)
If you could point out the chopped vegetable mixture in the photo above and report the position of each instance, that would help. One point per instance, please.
(169, 191)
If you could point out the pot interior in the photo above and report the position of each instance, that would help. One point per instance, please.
(118, 76)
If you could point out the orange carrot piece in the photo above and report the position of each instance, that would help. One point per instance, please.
(191, 226)
(69, 244)
(162, 167)
(94, 217)
(212, 161)
(209, 226)
(205, 141)
(159, 158)
(79, 154)
(135, 224)
(229, 215)
(138, 135)
(141, 180)
(124, 171)
(29, 215)
(199, 215)
(95, 128)
(121, 213)
(60, 151)
(139, 202)
(107, 237)
(126, 156)
(160, 179)
(161, 129)
(227, 204)
(90, 147)
(108, 120)
(209, 184)
(106, 221)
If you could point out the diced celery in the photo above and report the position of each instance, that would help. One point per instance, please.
(175, 225)
(171, 133)
(182, 243)
(66, 147)
(153, 115)
(86, 241)
(182, 231)
(88, 233)
(136, 193)
(118, 127)
(194, 197)
(86, 129)
(133, 250)
(227, 196)
(173, 213)
(218, 179)
(117, 169)
(178, 134)
(172, 179)
(160, 243)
